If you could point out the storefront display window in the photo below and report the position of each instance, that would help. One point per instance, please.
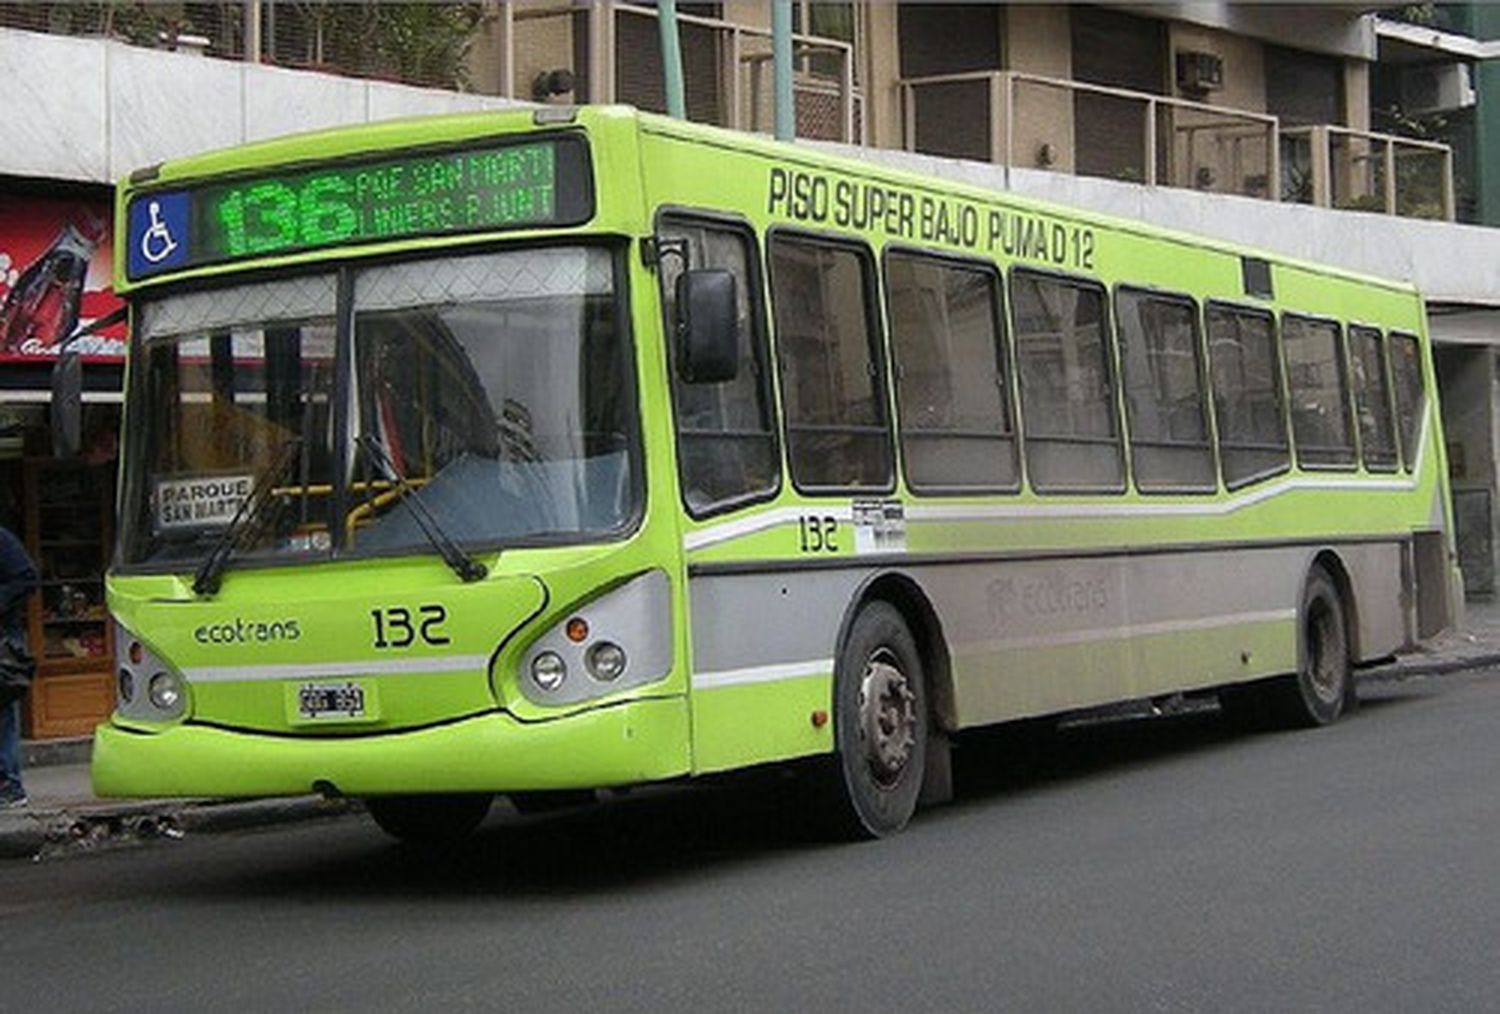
(56, 294)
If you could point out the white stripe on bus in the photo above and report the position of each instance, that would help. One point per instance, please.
(976, 512)
(382, 667)
(762, 674)
(760, 522)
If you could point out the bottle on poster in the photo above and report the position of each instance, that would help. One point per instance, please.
(41, 309)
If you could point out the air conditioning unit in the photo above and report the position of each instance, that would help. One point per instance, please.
(1437, 88)
(1199, 72)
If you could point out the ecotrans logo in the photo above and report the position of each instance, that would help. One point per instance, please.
(241, 631)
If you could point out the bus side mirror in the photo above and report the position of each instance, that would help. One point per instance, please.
(67, 406)
(708, 326)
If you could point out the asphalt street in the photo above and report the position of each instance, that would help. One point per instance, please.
(1145, 865)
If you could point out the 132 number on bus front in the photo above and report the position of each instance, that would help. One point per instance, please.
(395, 627)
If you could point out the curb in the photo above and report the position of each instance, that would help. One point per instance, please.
(93, 827)
(43, 753)
(1416, 667)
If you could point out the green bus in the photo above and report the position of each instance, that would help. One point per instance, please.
(552, 450)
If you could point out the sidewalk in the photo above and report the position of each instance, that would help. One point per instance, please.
(65, 815)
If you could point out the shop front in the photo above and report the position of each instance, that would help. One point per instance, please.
(55, 292)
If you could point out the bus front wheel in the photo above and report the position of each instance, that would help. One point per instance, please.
(880, 727)
(429, 820)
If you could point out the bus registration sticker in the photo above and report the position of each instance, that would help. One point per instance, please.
(323, 702)
(879, 526)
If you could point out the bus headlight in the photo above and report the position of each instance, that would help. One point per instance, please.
(548, 671)
(605, 661)
(165, 691)
(147, 687)
(618, 640)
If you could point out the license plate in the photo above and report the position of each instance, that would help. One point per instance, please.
(331, 700)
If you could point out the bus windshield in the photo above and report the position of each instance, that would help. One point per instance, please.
(490, 389)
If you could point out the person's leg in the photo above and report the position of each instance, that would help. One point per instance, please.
(10, 752)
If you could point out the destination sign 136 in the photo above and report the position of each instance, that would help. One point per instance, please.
(500, 186)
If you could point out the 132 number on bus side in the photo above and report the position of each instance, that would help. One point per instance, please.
(818, 533)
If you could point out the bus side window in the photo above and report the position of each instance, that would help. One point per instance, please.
(837, 433)
(727, 454)
(1071, 430)
(952, 385)
(1406, 372)
(1162, 372)
(1372, 399)
(1246, 375)
(1321, 427)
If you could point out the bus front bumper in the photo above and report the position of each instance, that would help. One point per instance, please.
(641, 741)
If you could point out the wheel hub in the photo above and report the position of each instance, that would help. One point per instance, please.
(1325, 669)
(887, 718)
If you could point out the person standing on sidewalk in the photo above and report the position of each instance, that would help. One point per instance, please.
(18, 579)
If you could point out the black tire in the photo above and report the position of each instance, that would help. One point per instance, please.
(1322, 689)
(880, 728)
(429, 820)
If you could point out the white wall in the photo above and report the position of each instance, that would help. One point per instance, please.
(92, 110)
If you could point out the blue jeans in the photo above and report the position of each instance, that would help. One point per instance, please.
(10, 743)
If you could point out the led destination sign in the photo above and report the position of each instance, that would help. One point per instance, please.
(497, 187)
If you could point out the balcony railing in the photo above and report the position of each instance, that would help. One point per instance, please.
(823, 89)
(1336, 167)
(1030, 121)
(727, 66)
(1020, 120)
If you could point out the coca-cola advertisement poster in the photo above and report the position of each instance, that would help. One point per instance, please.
(56, 278)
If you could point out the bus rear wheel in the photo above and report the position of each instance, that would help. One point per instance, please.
(880, 727)
(429, 820)
(1323, 687)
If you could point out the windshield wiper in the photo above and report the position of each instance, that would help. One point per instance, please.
(211, 571)
(466, 567)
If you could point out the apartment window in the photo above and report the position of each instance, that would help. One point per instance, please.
(951, 118)
(951, 388)
(947, 38)
(1245, 372)
(726, 444)
(1072, 434)
(837, 433)
(639, 74)
(1372, 399)
(1110, 47)
(1320, 399)
(1162, 373)
(1406, 371)
(827, 21)
(1304, 88)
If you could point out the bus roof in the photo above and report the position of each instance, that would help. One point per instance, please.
(393, 135)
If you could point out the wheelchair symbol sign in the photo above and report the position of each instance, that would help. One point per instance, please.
(158, 233)
(157, 242)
